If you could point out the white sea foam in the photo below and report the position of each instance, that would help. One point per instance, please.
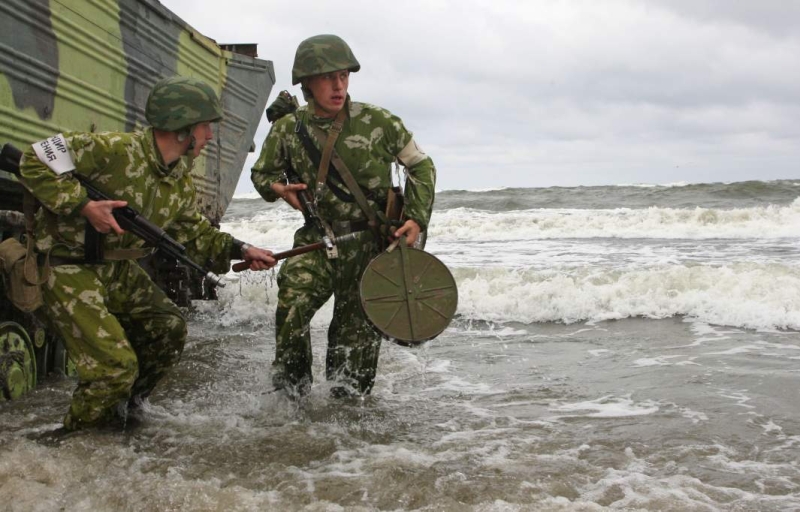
(247, 195)
(272, 230)
(747, 295)
(605, 407)
(666, 223)
(570, 265)
(741, 295)
(656, 361)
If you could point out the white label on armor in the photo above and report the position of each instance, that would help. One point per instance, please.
(54, 153)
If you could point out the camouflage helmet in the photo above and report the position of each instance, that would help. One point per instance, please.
(322, 54)
(178, 102)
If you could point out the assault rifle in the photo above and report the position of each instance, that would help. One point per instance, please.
(309, 209)
(127, 218)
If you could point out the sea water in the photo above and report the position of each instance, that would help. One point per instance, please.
(615, 348)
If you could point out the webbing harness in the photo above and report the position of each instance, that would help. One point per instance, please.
(329, 163)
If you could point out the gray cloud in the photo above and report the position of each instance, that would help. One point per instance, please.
(540, 93)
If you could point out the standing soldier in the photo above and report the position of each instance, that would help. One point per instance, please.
(363, 141)
(120, 329)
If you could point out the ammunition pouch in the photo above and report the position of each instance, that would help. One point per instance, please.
(20, 274)
(394, 207)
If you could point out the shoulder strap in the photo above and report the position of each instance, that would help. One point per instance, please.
(351, 183)
(333, 180)
(325, 161)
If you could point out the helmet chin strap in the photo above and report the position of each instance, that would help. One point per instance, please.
(307, 96)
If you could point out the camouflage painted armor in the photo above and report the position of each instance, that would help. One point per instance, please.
(119, 328)
(53, 84)
(370, 142)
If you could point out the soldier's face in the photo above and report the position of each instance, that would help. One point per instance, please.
(202, 134)
(329, 91)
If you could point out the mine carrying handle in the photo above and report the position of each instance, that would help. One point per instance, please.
(128, 218)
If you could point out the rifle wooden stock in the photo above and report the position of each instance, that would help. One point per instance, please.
(244, 265)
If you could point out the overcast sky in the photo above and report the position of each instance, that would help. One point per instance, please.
(539, 93)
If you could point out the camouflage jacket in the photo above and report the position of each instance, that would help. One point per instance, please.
(371, 140)
(126, 167)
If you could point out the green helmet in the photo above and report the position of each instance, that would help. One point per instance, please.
(322, 54)
(178, 102)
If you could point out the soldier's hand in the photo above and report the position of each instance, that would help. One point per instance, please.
(259, 259)
(100, 215)
(411, 229)
(288, 192)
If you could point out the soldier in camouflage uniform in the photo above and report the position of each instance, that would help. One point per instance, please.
(370, 141)
(120, 329)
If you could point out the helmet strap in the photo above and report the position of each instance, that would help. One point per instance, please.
(307, 96)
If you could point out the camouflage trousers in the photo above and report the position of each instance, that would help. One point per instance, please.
(121, 331)
(305, 283)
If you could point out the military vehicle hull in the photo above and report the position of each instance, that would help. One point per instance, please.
(88, 65)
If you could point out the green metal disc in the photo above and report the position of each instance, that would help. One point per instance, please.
(17, 361)
(409, 295)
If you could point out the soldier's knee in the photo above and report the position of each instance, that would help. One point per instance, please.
(126, 373)
(180, 331)
(176, 338)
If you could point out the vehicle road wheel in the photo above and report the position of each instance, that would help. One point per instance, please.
(17, 361)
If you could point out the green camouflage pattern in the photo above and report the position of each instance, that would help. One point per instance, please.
(322, 54)
(91, 68)
(127, 167)
(305, 283)
(179, 102)
(121, 331)
(369, 144)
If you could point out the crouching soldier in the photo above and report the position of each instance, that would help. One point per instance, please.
(120, 329)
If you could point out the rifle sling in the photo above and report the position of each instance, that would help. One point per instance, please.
(333, 174)
(351, 183)
(325, 161)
